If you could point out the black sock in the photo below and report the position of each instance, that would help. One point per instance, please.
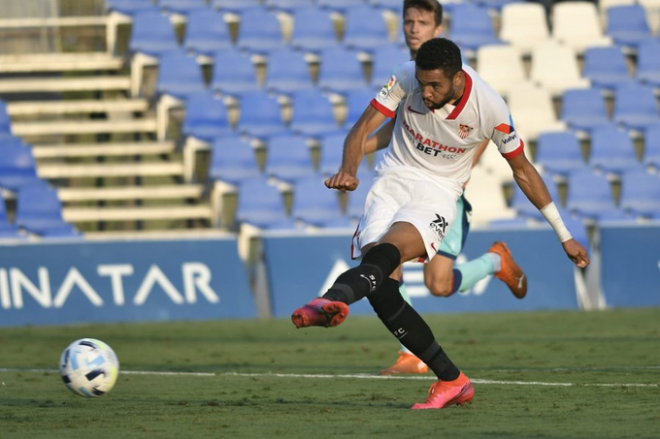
(354, 284)
(411, 330)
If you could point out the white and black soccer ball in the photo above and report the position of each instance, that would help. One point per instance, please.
(89, 367)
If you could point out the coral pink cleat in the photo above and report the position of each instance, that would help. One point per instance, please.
(320, 312)
(445, 393)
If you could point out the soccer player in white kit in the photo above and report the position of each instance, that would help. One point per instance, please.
(444, 111)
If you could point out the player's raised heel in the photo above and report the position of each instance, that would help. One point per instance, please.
(446, 393)
(320, 312)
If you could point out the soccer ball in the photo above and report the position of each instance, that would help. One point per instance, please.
(89, 367)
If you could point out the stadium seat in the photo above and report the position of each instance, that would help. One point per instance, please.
(261, 205)
(17, 165)
(559, 152)
(332, 150)
(290, 5)
(648, 62)
(287, 72)
(233, 160)
(525, 208)
(584, 109)
(487, 197)
(576, 24)
(339, 5)
(356, 102)
(152, 33)
(5, 119)
(472, 27)
(501, 67)
(652, 8)
(651, 156)
(340, 70)
(392, 5)
(627, 25)
(261, 115)
(313, 30)
(385, 61)
(39, 211)
(316, 205)
(356, 198)
(555, 68)
(206, 32)
(605, 67)
(612, 150)
(533, 111)
(206, 118)
(313, 115)
(183, 7)
(635, 106)
(233, 73)
(236, 6)
(640, 192)
(179, 75)
(524, 26)
(590, 196)
(288, 158)
(259, 31)
(129, 7)
(364, 28)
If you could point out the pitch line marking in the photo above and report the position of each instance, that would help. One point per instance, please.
(346, 376)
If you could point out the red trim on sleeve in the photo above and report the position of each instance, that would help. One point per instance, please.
(466, 95)
(382, 108)
(515, 152)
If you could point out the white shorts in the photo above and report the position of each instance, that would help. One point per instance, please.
(395, 198)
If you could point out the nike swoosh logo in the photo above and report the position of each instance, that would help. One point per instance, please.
(520, 281)
(414, 111)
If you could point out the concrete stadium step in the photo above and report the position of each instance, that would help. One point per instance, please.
(100, 170)
(86, 83)
(131, 193)
(30, 108)
(59, 62)
(102, 149)
(87, 126)
(86, 214)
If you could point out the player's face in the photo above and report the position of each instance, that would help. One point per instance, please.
(419, 27)
(437, 89)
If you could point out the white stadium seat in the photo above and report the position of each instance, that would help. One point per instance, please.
(578, 25)
(524, 25)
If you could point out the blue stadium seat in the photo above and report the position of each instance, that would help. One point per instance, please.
(648, 62)
(612, 150)
(233, 160)
(584, 109)
(525, 208)
(39, 211)
(356, 198)
(605, 67)
(206, 32)
(182, 6)
(590, 196)
(640, 192)
(233, 73)
(288, 158)
(635, 106)
(17, 165)
(472, 27)
(290, 5)
(5, 119)
(332, 150)
(356, 102)
(392, 5)
(179, 75)
(628, 25)
(338, 5)
(559, 152)
(316, 205)
(386, 59)
(651, 156)
(364, 28)
(313, 30)
(236, 6)
(206, 117)
(261, 115)
(261, 204)
(152, 33)
(313, 114)
(287, 71)
(496, 4)
(129, 7)
(340, 70)
(259, 31)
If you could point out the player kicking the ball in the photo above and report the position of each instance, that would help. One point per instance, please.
(412, 202)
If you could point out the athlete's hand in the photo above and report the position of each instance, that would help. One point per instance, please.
(342, 181)
(576, 252)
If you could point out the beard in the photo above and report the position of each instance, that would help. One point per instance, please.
(451, 95)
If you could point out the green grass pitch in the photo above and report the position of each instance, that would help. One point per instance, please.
(537, 375)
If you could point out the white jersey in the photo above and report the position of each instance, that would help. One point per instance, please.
(440, 144)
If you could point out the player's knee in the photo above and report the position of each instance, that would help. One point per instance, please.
(439, 288)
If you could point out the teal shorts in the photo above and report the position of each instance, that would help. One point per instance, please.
(453, 242)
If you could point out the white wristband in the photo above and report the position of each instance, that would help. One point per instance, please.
(553, 218)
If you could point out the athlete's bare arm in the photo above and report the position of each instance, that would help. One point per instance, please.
(381, 139)
(532, 185)
(354, 148)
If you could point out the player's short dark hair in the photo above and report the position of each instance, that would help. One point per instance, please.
(425, 5)
(440, 53)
